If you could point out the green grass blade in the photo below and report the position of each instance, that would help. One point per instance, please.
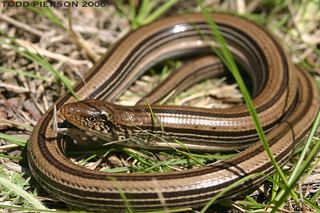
(14, 139)
(40, 60)
(228, 188)
(19, 191)
(315, 207)
(227, 57)
(300, 167)
(122, 195)
(146, 13)
(47, 13)
(315, 196)
(161, 10)
(29, 209)
(23, 73)
(145, 9)
(10, 157)
(132, 8)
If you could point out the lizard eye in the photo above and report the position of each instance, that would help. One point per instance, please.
(105, 114)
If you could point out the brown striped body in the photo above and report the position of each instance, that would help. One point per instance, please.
(285, 98)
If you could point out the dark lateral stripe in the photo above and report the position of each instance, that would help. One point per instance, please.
(157, 38)
(160, 176)
(88, 202)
